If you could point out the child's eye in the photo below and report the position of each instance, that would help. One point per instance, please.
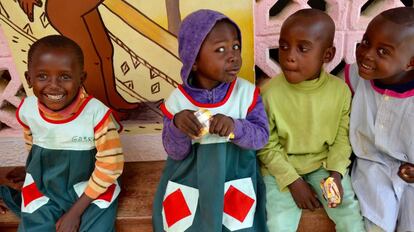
(303, 49)
(65, 77)
(364, 42)
(220, 49)
(41, 77)
(283, 47)
(382, 51)
(236, 47)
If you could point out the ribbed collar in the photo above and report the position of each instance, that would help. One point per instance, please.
(68, 111)
(310, 85)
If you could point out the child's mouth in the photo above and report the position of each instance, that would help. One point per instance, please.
(233, 72)
(54, 97)
(367, 67)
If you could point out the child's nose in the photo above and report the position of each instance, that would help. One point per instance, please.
(54, 82)
(233, 57)
(369, 54)
(290, 57)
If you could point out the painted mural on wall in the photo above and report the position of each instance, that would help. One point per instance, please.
(130, 47)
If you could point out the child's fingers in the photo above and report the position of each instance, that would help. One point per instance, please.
(409, 171)
(215, 126)
(309, 205)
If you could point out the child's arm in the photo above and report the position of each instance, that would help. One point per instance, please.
(252, 132)
(28, 138)
(108, 167)
(339, 153)
(274, 159)
(340, 150)
(177, 134)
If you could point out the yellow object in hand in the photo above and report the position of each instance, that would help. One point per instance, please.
(330, 191)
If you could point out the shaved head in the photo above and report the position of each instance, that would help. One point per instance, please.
(403, 16)
(316, 21)
(400, 24)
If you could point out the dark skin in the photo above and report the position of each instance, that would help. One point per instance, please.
(218, 61)
(385, 52)
(386, 55)
(406, 172)
(305, 44)
(56, 77)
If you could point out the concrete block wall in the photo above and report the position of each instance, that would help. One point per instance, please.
(269, 15)
(351, 18)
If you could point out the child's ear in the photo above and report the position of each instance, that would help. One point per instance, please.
(329, 54)
(26, 76)
(410, 65)
(194, 68)
(83, 77)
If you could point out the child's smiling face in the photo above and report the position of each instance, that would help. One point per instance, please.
(56, 76)
(384, 52)
(219, 59)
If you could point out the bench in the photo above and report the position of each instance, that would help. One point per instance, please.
(139, 183)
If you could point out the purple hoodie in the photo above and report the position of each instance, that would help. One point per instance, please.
(250, 133)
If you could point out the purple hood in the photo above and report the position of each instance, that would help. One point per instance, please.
(193, 30)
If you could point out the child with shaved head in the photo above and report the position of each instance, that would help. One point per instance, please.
(308, 111)
(382, 116)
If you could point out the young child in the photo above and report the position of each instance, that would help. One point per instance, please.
(308, 112)
(211, 183)
(382, 116)
(75, 152)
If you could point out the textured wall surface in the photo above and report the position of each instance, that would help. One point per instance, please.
(351, 18)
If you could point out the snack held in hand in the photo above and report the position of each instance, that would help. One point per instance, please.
(330, 191)
(204, 116)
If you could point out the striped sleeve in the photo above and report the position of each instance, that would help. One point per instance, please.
(28, 138)
(109, 158)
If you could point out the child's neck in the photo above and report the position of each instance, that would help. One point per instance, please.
(398, 79)
(66, 112)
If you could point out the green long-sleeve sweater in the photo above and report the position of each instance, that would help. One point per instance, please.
(309, 125)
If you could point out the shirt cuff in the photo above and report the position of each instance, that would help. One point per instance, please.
(238, 128)
(175, 131)
(91, 193)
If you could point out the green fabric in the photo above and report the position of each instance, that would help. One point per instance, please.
(55, 172)
(309, 125)
(284, 215)
(207, 168)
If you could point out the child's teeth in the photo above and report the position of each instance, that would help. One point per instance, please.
(55, 97)
(366, 66)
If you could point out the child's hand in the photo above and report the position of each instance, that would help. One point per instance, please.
(187, 122)
(337, 179)
(69, 222)
(406, 172)
(221, 125)
(304, 195)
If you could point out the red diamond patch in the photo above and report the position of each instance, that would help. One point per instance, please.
(30, 193)
(108, 194)
(175, 207)
(237, 204)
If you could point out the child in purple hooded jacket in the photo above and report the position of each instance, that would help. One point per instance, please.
(211, 183)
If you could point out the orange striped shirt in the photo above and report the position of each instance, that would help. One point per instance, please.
(109, 157)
